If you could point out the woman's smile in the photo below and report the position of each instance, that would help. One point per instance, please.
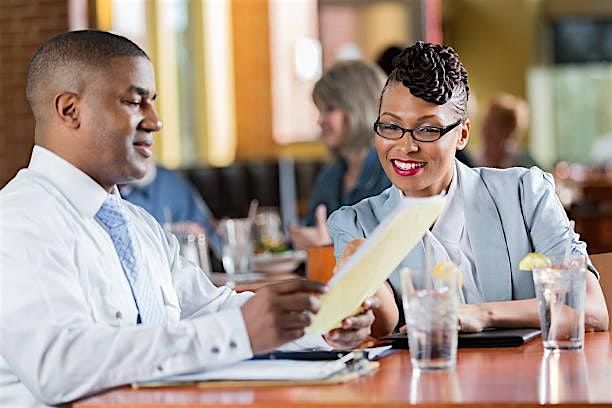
(407, 167)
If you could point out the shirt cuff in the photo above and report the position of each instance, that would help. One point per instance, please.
(222, 338)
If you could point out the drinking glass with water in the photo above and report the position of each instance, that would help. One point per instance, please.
(560, 291)
(195, 249)
(430, 299)
(237, 247)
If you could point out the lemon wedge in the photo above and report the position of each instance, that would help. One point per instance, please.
(534, 260)
(446, 272)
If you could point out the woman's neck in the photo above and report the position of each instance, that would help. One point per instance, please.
(439, 187)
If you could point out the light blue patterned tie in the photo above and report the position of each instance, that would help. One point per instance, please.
(112, 216)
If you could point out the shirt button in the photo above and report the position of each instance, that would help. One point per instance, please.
(233, 344)
(215, 350)
(118, 315)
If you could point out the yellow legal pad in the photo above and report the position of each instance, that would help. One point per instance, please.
(375, 260)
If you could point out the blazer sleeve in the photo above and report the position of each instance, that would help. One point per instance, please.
(343, 227)
(545, 219)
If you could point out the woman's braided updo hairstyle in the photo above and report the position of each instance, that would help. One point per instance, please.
(433, 73)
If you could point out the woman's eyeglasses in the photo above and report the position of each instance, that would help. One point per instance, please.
(422, 134)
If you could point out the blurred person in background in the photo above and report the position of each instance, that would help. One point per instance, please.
(506, 118)
(173, 202)
(601, 152)
(386, 57)
(347, 99)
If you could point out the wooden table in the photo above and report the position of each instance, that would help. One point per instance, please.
(524, 376)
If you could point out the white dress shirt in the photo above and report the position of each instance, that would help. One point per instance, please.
(68, 318)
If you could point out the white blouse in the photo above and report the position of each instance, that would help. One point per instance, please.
(448, 240)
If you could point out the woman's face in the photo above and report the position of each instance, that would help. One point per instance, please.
(418, 169)
(333, 126)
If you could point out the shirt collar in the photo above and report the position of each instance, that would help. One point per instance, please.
(81, 190)
(450, 223)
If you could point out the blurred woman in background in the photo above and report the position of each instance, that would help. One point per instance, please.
(506, 118)
(347, 99)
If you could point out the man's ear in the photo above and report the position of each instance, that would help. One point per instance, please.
(465, 135)
(67, 109)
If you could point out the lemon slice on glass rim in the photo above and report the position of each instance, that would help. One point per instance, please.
(446, 271)
(534, 260)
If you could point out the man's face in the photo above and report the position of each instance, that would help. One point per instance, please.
(117, 121)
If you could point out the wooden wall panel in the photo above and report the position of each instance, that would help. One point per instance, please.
(252, 79)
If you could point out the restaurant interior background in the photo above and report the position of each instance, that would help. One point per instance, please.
(234, 79)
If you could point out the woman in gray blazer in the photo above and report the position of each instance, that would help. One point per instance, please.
(492, 217)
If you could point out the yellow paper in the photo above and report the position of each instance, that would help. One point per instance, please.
(374, 261)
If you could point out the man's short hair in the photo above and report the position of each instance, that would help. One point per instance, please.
(75, 49)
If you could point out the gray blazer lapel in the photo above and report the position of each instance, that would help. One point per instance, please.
(414, 260)
(394, 196)
(487, 237)
(416, 257)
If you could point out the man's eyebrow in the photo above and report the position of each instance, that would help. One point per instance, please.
(141, 91)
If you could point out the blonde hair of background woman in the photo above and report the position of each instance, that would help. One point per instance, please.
(352, 87)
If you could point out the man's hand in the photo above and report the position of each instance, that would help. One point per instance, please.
(355, 329)
(308, 237)
(279, 313)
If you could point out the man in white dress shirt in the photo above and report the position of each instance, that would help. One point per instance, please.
(84, 307)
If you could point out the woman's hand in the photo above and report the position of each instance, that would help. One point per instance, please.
(308, 237)
(386, 312)
(355, 329)
(472, 318)
(349, 250)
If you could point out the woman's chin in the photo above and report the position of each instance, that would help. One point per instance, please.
(332, 147)
(413, 189)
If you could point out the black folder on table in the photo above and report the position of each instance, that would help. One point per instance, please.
(372, 354)
(487, 338)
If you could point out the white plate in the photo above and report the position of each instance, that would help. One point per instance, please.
(278, 263)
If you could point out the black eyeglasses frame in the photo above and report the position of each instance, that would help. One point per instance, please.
(442, 130)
